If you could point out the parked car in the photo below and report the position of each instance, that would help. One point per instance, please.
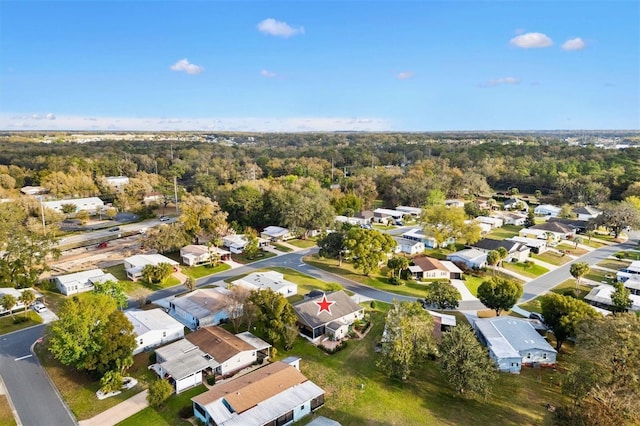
(164, 218)
(116, 229)
(103, 245)
(536, 316)
(398, 222)
(39, 307)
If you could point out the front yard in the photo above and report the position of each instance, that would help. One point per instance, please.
(169, 414)
(552, 257)
(568, 286)
(242, 258)
(141, 288)
(19, 321)
(531, 271)
(613, 264)
(303, 244)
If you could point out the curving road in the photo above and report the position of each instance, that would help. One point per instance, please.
(34, 397)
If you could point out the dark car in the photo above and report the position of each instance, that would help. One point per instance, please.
(116, 229)
(536, 316)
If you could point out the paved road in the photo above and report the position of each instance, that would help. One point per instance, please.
(290, 260)
(90, 237)
(551, 279)
(34, 397)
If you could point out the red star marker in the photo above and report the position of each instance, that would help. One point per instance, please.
(324, 305)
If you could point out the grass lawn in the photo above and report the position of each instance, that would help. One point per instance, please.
(358, 393)
(472, 283)
(6, 416)
(53, 299)
(531, 271)
(552, 258)
(572, 249)
(380, 227)
(613, 264)
(593, 243)
(196, 272)
(379, 281)
(140, 288)
(567, 286)
(241, 258)
(631, 255)
(18, 321)
(441, 253)
(600, 275)
(79, 389)
(282, 248)
(304, 244)
(507, 231)
(167, 415)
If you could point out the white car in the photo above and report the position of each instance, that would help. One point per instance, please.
(39, 307)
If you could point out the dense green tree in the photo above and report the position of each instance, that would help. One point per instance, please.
(159, 391)
(603, 378)
(579, 270)
(332, 245)
(190, 284)
(503, 253)
(442, 295)
(493, 258)
(617, 216)
(275, 313)
(443, 223)
(252, 248)
(113, 289)
(368, 248)
(531, 219)
(621, 298)
(465, 363)
(157, 273)
(397, 264)
(562, 314)
(92, 334)
(407, 340)
(166, 238)
(499, 294)
(201, 216)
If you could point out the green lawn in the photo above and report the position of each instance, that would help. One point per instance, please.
(379, 281)
(168, 414)
(568, 286)
(6, 416)
(196, 272)
(282, 248)
(79, 389)
(139, 288)
(593, 243)
(572, 249)
(241, 258)
(441, 253)
(357, 393)
(381, 227)
(305, 282)
(520, 268)
(507, 231)
(631, 255)
(552, 258)
(613, 264)
(600, 275)
(304, 244)
(472, 283)
(19, 321)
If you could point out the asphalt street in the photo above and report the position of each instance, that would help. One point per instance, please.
(32, 393)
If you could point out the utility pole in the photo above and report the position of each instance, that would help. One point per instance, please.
(171, 148)
(175, 192)
(44, 226)
(156, 161)
(331, 170)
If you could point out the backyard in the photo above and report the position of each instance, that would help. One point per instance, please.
(507, 231)
(355, 388)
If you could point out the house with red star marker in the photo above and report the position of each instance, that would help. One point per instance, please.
(330, 315)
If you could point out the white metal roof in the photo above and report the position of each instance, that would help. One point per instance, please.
(92, 275)
(263, 280)
(253, 340)
(152, 319)
(510, 337)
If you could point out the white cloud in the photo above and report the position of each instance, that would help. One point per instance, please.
(50, 116)
(268, 74)
(500, 81)
(404, 75)
(253, 124)
(186, 66)
(574, 44)
(278, 28)
(531, 41)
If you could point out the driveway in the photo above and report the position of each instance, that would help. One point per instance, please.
(34, 397)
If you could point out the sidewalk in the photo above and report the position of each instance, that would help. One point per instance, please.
(118, 413)
(464, 291)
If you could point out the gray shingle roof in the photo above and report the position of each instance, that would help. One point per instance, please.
(307, 310)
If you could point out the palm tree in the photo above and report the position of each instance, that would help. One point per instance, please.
(27, 298)
(8, 302)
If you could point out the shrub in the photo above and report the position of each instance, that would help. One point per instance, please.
(159, 392)
(186, 412)
(152, 357)
(394, 281)
(339, 347)
(373, 304)
(211, 380)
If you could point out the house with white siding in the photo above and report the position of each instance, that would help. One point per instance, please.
(91, 205)
(134, 265)
(268, 279)
(182, 363)
(201, 307)
(410, 247)
(547, 210)
(513, 343)
(230, 352)
(471, 258)
(276, 394)
(82, 281)
(153, 327)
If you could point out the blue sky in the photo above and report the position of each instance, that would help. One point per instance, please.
(304, 65)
